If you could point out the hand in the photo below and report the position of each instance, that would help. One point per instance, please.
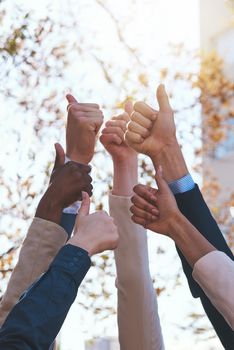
(95, 232)
(124, 158)
(112, 136)
(155, 209)
(83, 123)
(150, 131)
(66, 184)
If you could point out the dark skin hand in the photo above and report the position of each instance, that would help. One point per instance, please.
(66, 185)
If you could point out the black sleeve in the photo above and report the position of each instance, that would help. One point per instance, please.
(194, 208)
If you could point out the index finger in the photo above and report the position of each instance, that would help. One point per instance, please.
(145, 110)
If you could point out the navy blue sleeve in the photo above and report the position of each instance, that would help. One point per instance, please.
(36, 319)
(68, 223)
(194, 208)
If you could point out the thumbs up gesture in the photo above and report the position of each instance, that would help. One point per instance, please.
(149, 130)
(83, 124)
(95, 232)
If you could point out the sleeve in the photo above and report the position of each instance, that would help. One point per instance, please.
(37, 318)
(215, 274)
(138, 319)
(194, 208)
(43, 241)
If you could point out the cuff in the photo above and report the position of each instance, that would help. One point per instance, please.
(73, 260)
(182, 185)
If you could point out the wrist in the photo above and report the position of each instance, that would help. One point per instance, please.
(79, 158)
(177, 222)
(172, 161)
(49, 210)
(78, 242)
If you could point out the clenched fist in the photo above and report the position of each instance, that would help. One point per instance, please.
(83, 124)
(112, 136)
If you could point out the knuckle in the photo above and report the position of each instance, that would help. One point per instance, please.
(137, 105)
(72, 108)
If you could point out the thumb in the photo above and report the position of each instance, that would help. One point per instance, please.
(71, 99)
(60, 156)
(128, 107)
(161, 183)
(163, 101)
(85, 205)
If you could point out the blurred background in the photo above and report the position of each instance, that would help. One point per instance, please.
(107, 51)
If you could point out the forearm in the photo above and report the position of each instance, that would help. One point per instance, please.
(138, 319)
(189, 240)
(49, 210)
(37, 318)
(43, 241)
(125, 176)
(172, 161)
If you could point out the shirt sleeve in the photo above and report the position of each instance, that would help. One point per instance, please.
(182, 185)
(214, 273)
(138, 319)
(37, 318)
(43, 241)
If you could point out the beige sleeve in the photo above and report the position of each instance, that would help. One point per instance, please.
(214, 272)
(138, 319)
(44, 239)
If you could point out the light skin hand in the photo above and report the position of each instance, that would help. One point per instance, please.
(124, 158)
(83, 124)
(169, 220)
(153, 133)
(95, 232)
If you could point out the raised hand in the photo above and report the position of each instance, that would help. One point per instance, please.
(155, 209)
(66, 185)
(95, 232)
(124, 158)
(149, 131)
(83, 124)
(112, 136)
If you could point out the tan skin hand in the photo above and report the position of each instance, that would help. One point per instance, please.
(149, 131)
(83, 124)
(124, 158)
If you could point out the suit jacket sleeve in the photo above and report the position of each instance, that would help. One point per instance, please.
(194, 208)
(138, 319)
(215, 274)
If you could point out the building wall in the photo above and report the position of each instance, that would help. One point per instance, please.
(217, 33)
